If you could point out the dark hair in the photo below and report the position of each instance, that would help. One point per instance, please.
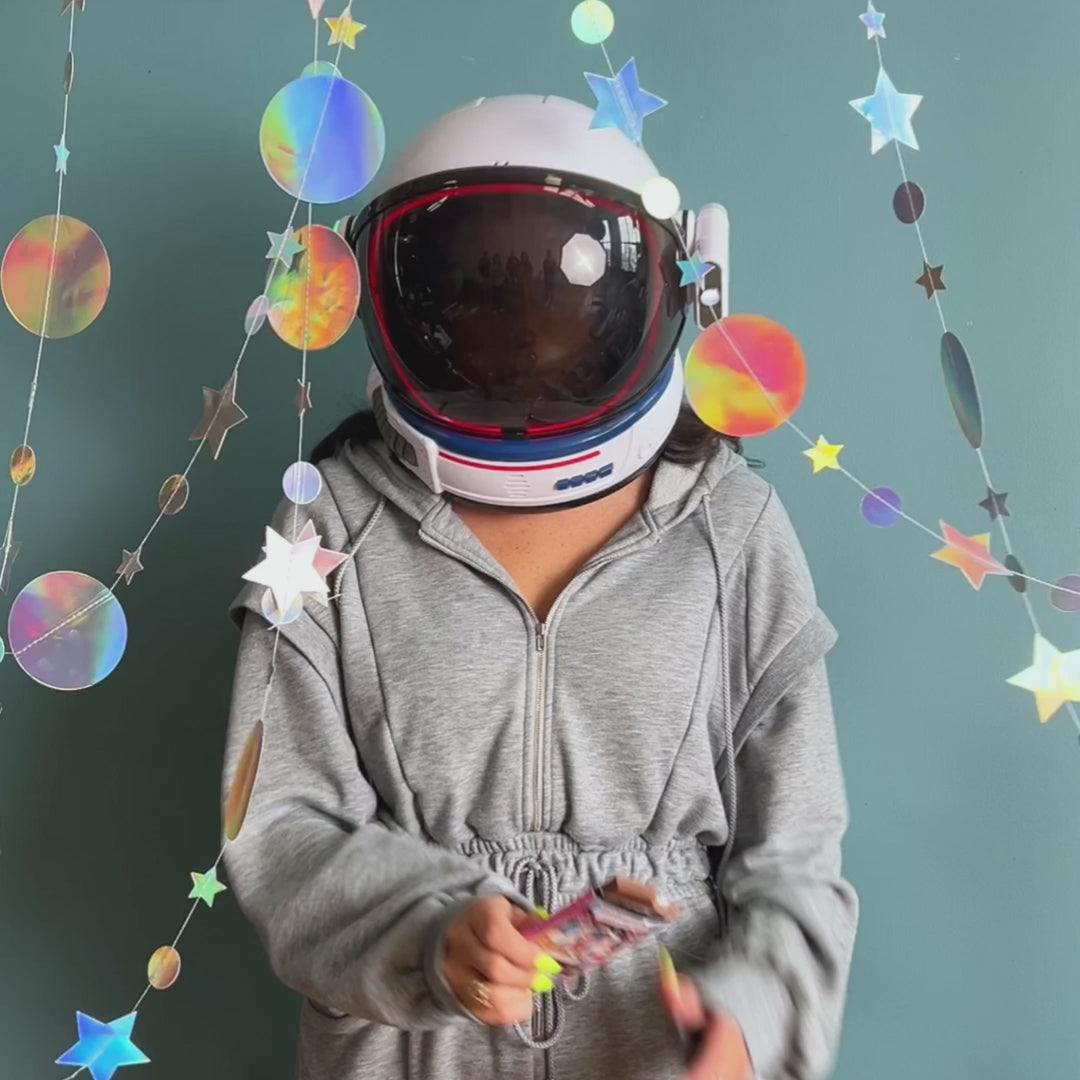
(691, 440)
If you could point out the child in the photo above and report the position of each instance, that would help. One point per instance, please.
(574, 638)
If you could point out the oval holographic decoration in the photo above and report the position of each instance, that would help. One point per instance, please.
(173, 496)
(23, 465)
(247, 771)
(164, 968)
(1019, 584)
(963, 392)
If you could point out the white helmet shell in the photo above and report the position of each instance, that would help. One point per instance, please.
(525, 130)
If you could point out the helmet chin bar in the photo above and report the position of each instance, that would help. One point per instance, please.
(571, 477)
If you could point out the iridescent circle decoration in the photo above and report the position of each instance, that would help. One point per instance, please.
(592, 22)
(164, 968)
(302, 483)
(909, 202)
(745, 375)
(242, 787)
(321, 67)
(23, 465)
(661, 197)
(80, 276)
(322, 139)
(881, 508)
(1065, 595)
(320, 291)
(276, 616)
(256, 315)
(173, 496)
(67, 631)
(962, 389)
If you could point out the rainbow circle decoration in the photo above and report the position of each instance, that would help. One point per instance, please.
(322, 139)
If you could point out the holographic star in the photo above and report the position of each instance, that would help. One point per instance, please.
(823, 454)
(81, 5)
(62, 155)
(288, 570)
(220, 415)
(621, 103)
(325, 561)
(303, 397)
(344, 30)
(969, 554)
(889, 113)
(206, 887)
(931, 279)
(694, 270)
(104, 1048)
(994, 504)
(874, 21)
(284, 247)
(130, 565)
(1054, 678)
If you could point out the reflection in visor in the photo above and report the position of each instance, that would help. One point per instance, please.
(517, 309)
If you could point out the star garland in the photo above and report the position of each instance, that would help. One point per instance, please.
(41, 263)
(293, 568)
(738, 357)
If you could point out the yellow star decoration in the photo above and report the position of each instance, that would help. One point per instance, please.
(1054, 678)
(345, 29)
(824, 455)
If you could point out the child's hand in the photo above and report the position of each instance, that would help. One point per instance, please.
(722, 1053)
(492, 969)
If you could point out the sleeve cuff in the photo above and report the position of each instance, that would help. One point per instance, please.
(435, 945)
(758, 1001)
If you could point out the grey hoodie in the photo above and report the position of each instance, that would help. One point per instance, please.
(428, 741)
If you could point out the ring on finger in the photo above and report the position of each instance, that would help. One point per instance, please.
(478, 991)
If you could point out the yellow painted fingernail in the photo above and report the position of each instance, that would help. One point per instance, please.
(548, 964)
(542, 912)
(542, 985)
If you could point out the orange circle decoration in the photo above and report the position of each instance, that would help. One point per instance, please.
(164, 968)
(81, 276)
(313, 302)
(745, 375)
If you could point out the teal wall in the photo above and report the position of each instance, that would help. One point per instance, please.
(965, 844)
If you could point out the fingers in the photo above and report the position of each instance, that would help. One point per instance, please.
(491, 921)
(495, 1006)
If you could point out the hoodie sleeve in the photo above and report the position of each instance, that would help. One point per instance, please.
(351, 910)
(781, 968)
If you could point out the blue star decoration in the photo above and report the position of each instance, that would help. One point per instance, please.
(693, 270)
(284, 247)
(621, 103)
(889, 113)
(103, 1048)
(874, 21)
(62, 155)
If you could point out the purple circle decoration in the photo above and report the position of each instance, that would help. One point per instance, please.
(1065, 595)
(881, 508)
(909, 202)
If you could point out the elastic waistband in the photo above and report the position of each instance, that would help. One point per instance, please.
(678, 870)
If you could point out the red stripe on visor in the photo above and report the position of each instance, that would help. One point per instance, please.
(492, 343)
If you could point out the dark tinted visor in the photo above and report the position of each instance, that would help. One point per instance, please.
(508, 302)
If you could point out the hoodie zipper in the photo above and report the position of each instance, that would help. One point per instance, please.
(538, 749)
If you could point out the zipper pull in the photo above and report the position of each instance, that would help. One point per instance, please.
(541, 636)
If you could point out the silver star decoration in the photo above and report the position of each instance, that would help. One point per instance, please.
(130, 565)
(220, 415)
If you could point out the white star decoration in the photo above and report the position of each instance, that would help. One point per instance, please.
(288, 570)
